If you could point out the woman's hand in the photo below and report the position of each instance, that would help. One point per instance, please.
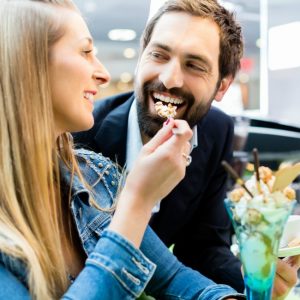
(286, 276)
(160, 166)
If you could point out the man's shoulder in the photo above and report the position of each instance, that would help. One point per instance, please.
(216, 117)
(216, 120)
(108, 104)
(216, 125)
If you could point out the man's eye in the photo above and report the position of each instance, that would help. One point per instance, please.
(157, 55)
(195, 67)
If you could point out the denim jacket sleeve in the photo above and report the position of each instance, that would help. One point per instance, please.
(114, 270)
(11, 287)
(172, 280)
(126, 271)
(117, 270)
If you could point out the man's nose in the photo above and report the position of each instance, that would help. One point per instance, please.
(172, 75)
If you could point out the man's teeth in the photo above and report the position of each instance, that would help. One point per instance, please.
(167, 99)
(88, 96)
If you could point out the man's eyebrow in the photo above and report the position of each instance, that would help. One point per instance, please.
(162, 46)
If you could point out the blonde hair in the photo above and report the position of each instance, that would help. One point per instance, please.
(30, 202)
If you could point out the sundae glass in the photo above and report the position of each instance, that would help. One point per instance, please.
(259, 214)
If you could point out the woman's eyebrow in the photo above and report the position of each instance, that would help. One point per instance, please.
(88, 39)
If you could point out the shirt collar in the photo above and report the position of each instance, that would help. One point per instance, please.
(194, 139)
(134, 140)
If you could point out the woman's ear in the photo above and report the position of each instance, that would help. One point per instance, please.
(224, 85)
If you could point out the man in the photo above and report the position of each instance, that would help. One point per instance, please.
(191, 51)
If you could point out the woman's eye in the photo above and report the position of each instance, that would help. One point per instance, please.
(87, 52)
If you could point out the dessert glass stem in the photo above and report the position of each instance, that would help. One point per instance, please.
(258, 232)
(255, 295)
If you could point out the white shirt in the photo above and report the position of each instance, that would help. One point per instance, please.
(134, 142)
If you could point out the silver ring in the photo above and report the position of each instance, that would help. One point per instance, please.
(188, 159)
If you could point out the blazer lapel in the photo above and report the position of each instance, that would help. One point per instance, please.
(178, 206)
(112, 134)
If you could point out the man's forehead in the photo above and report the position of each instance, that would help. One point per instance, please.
(190, 35)
(174, 23)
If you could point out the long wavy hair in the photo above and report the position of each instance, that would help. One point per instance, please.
(31, 207)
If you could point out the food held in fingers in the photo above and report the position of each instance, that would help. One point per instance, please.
(165, 111)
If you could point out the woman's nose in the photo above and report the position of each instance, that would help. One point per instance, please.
(101, 75)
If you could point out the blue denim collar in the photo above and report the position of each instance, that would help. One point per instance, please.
(77, 188)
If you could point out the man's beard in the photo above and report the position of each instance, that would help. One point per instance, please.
(149, 124)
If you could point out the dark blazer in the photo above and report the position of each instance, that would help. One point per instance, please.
(192, 216)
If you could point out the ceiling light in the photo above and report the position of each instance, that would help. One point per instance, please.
(284, 46)
(129, 53)
(122, 34)
(125, 77)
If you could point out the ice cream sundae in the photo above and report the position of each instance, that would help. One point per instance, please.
(261, 195)
(259, 210)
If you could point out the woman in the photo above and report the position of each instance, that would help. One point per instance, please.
(61, 232)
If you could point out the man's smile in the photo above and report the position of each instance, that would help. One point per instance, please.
(166, 99)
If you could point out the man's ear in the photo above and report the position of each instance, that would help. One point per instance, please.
(224, 85)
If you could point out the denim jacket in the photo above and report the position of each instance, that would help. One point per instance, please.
(114, 269)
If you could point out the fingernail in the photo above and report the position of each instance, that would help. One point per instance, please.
(167, 122)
